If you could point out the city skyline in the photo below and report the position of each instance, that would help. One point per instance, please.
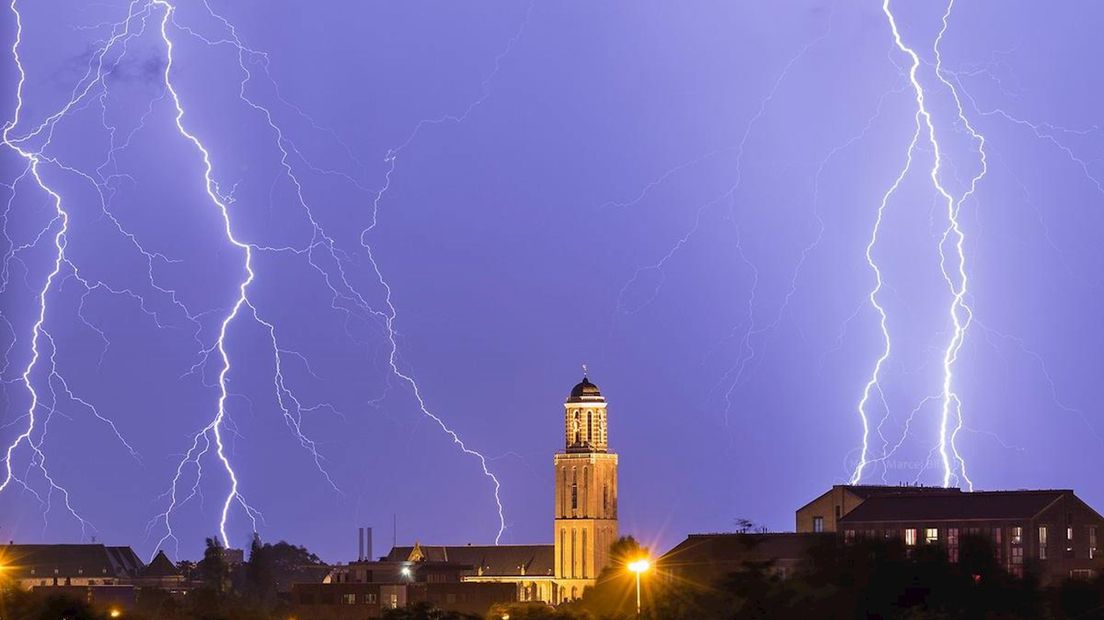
(350, 263)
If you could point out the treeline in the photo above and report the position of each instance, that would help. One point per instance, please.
(880, 580)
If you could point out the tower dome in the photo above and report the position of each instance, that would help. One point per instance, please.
(585, 391)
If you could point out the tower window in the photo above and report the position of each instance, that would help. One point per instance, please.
(574, 489)
(575, 428)
(590, 427)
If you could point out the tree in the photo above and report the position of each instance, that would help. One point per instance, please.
(213, 569)
(614, 592)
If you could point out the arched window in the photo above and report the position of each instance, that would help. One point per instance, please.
(575, 429)
(563, 550)
(574, 555)
(563, 490)
(605, 499)
(586, 493)
(574, 488)
(584, 556)
(590, 427)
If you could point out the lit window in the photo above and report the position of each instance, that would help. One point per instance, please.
(931, 536)
(348, 599)
(1069, 539)
(1092, 542)
(1017, 536)
(818, 524)
(849, 536)
(910, 536)
(1042, 542)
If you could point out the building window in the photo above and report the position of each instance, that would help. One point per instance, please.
(565, 492)
(849, 536)
(584, 555)
(1017, 556)
(1081, 573)
(1042, 542)
(370, 598)
(818, 524)
(348, 599)
(1016, 537)
(1069, 539)
(574, 488)
(590, 427)
(605, 499)
(910, 536)
(1092, 542)
(586, 492)
(575, 429)
(839, 513)
(952, 544)
(931, 535)
(563, 549)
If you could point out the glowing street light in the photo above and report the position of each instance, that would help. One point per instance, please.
(115, 613)
(638, 567)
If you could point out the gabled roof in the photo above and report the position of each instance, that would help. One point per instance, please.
(49, 561)
(161, 566)
(487, 560)
(125, 560)
(983, 505)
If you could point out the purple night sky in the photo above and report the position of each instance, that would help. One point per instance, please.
(679, 195)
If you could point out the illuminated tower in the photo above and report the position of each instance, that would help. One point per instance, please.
(586, 493)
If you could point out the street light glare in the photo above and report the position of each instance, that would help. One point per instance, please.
(639, 566)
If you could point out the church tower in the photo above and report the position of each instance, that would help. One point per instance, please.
(586, 493)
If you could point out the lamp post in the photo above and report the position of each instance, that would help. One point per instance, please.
(638, 567)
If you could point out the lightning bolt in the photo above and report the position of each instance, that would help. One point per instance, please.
(41, 340)
(390, 313)
(960, 311)
(873, 384)
(215, 427)
(952, 264)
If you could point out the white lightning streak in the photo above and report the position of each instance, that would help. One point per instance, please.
(215, 427)
(390, 314)
(887, 344)
(960, 311)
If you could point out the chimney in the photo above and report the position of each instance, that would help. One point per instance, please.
(360, 547)
(368, 544)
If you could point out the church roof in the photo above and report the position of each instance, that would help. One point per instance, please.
(585, 391)
(485, 560)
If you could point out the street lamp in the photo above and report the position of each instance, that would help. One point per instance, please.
(638, 567)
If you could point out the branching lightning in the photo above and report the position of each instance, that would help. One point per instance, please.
(320, 252)
(952, 265)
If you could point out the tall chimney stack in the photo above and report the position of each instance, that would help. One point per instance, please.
(360, 548)
(368, 545)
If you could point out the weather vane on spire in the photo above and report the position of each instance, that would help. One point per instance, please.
(584, 371)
